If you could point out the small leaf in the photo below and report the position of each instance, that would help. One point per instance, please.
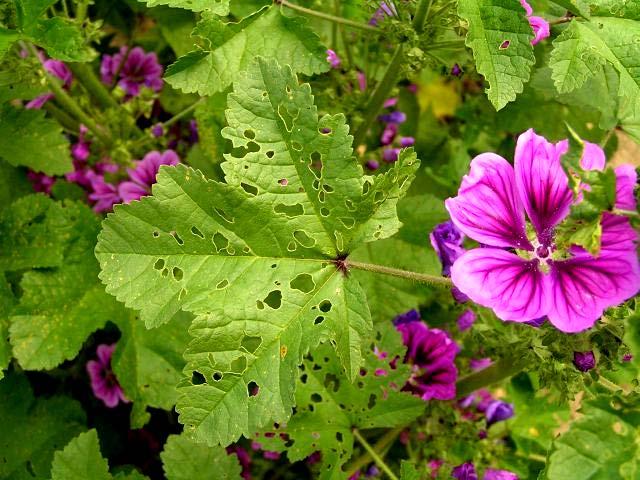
(500, 37)
(183, 459)
(7, 39)
(81, 460)
(62, 39)
(216, 7)
(42, 148)
(231, 47)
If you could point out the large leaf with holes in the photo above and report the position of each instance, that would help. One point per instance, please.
(256, 258)
(183, 459)
(42, 148)
(500, 37)
(59, 308)
(33, 428)
(217, 7)
(231, 47)
(328, 408)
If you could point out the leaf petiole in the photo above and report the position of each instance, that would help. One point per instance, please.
(376, 458)
(396, 272)
(326, 16)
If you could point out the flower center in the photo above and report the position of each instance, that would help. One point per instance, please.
(542, 252)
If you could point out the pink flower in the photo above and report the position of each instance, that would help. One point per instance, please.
(59, 70)
(139, 69)
(104, 383)
(144, 174)
(523, 279)
(104, 194)
(41, 182)
(333, 59)
(539, 25)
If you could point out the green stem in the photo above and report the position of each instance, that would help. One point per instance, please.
(70, 105)
(62, 117)
(93, 85)
(379, 95)
(422, 10)
(182, 114)
(500, 370)
(81, 10)
(376, 458)
(396, 272)
(326, 16)
(609, 385)
(382, 444)
(627, 213)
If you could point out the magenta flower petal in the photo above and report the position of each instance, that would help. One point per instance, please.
(593, 157)
(130, 191)
(488, 208)
(493, 474)
(38, 102)
(626, 180)
(618, 236)
(513, 287)
(540, 29)
(542, 183)
(583, 286)
(527, 7)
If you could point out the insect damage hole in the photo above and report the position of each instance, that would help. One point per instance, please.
(251, 344)
(176, 237)
(253, 389)
(178, 274)
(274, 299)
(196, 231)
(197, 378)
(303, 282)
(159, 265)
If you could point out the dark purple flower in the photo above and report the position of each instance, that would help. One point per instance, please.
(627, 357)
(498, 411)
(372, 472)
(466, 471)
(407, 317)
(407, 141)
(144, 174)
(41, 182)
(157, 130)
(458, 296)
(390, 155)
(314, 458)
(104, 194)
(271, 455)
(393, 117)
(476, 364)
(104, 383)
(372, 164)
(139, 69)
(80, 150)
(333, 59)
(243, 458)
(570, 287)
(386, 9)
(456, 71)
(194, 135)
(536, 322)
(389, 134)
(493, 474)
(584, 361)
(431, 353)
(59, 70)
(434, 466)
(447, 240)
(466, 320)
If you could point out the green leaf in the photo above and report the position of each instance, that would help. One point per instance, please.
(60, 308)
(33, 428)
(231, 47)
(408, 471)
(616, 8)
(183, 459)
(577, 7)
(62, 39)
(7, 301)
(33, 232)
(42, 147)
(29, 11)
(81, 460)
(216, 7)
(492, 23)
(599, 446)
(7, 38)
(149, 363)
(253, 257)
(328, 408)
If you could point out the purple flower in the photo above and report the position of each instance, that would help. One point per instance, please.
(390, 102)
(498, 411)
(456, 71)
(407, 317)
(626, 180)
(584, 361)
(386, 9)
(362, 81)
(479, 363)
(139, 69)
(104, 383)
(390, 155)
(407, 141)
(194, 135)
(271, 455)
(431, 353)
(627, 357)
(493, 474)
(393, 117)
(144, 174)
(372, 164)
(536, 322)
(59, 70)
(333, 59)
(539, 25)
(243, 458)
(466, 320)
(572, 288)
(157, 130)
(81, 149)
(466, 471)
(388, 134)
(434, 466)
(104, 194)
(41, 182)
(447, 240)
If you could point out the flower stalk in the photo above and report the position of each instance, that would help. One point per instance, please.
(396, 272)
(374, 455)
(500, 370)
(90, 82)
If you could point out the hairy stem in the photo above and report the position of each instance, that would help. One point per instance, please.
(396, 272)
(422, 10)
(62, 117)
(92, 84)
(500, 370)
(374, 455)
(380, 446)
(326, 16)
(180, 115)
(379, 95)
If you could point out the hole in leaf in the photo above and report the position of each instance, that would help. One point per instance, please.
(196, 231)
(251, 344)
(159, 265)
(291, 247)
(372, 401)
(303, 282)
(156, 234)
(316, 184)
(304, 239)
(224, 215)
(331, 382)
(283, 182)
(177, 273)
(321, 196)
(290, 211)
(165, 272)
(504, 45)
(274, 299)
(253, 389)
(250, 134)
(327, 188)
(274, 265)
(304, 377)
(325, 130)
(250, 189)
(316, 397)
(182, 294)
(220, 241)
(286, 117)
(197, 378)
(270, 153)
(316, 157)
(318, 320)
(325, 212)
(348, 222)
(339, 436)
(222, 284)
(339, 240)
(365, 188)
(217, 376)
(239, 365)
(177, 238)
(259, 305)
(325, 306)
(296, 146)
(349, 204)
